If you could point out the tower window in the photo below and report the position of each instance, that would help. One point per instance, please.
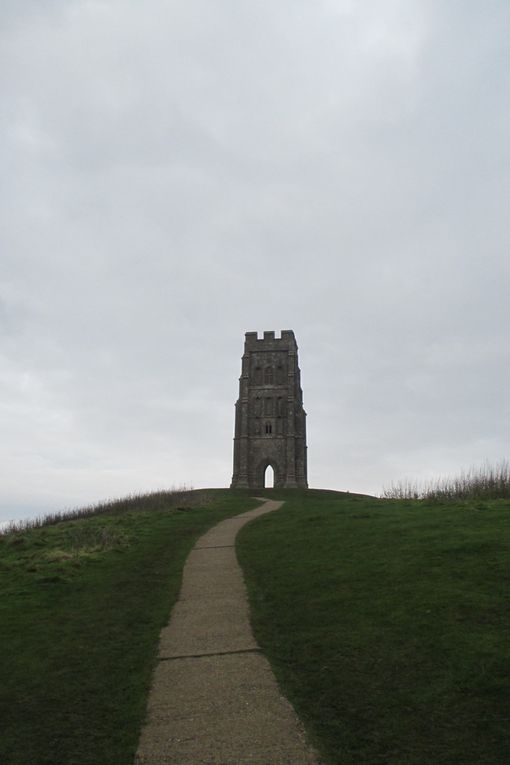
(258, 375)
(268, 375)
(268, 406)
(269, 428)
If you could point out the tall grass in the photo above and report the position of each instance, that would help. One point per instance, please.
(483, 482)
(181, 497)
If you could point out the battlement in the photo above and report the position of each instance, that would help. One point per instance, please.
(287, 339)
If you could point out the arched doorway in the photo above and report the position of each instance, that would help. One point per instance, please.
(269, 477)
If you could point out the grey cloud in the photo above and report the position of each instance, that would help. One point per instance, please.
(176, 175)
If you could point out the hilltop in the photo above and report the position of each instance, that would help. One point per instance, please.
(386, 622)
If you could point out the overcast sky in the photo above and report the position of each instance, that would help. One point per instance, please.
(174, 174)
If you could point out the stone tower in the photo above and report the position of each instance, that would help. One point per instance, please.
(270, 427)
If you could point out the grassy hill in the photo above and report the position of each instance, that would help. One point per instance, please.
(388, 624)
(386, 621)
(82, 604)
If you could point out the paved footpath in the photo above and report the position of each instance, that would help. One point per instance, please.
(214, 699)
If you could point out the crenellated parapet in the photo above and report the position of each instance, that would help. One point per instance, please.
(286, 340)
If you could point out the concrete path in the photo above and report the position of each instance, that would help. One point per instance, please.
(214, 699)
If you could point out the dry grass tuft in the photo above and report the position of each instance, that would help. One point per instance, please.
(485, 482)
(183, 497)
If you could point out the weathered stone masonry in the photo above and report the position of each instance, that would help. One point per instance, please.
(270, 422)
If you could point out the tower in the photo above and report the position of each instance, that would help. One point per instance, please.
(270, 422)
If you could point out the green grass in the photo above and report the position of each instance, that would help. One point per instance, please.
(388, 624)
(82, 604)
